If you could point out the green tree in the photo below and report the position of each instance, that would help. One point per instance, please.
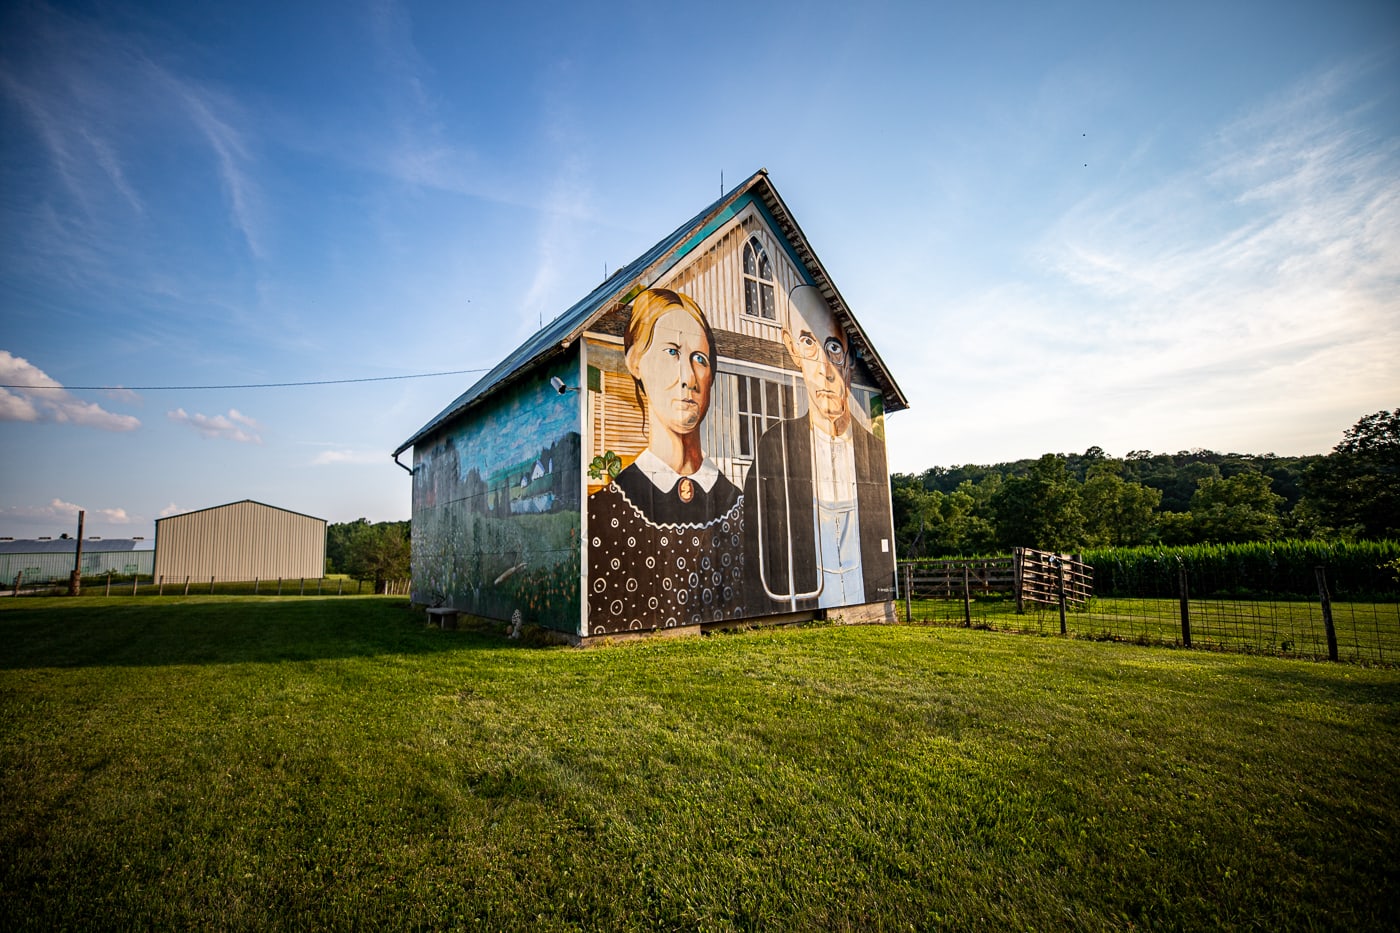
(1116, 512)
(365, 551)
(915, 513)
(1236, 509)
(1040, 509)
(967, 526)
(1175, 528)
(338, 537)
(1355, 490)
(930, 523)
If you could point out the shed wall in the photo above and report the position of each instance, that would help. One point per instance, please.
(48, 567)
(240, 541)
(496, 498)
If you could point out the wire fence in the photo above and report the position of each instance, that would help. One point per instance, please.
(1335, 614)
(113, 584)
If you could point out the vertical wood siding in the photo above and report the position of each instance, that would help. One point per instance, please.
(715, 278)
(241, 541)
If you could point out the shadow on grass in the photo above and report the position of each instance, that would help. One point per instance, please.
(140, 632)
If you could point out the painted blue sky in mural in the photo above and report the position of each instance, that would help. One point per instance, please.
(511, 431)
(1178, 222)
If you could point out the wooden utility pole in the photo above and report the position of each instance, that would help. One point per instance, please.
(75, 579)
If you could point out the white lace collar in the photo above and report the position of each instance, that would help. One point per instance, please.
(664, 478)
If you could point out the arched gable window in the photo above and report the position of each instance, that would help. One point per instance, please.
(758, 281)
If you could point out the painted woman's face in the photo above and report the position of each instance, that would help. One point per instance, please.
(677, 371)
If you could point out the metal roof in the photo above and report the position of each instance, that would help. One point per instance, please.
(69, 545)
(239, 502)
(633, 278)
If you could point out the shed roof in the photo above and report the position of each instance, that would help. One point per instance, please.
(630, 280)
(68, 545)
(239, 502)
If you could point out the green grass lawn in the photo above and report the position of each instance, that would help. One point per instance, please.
(240, 763)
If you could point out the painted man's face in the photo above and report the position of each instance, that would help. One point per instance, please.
(677, 371)
(821, 350)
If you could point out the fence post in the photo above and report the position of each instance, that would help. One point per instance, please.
(279, 586)
(135, 581)
(339, 586)
(318, 585)
(1018, 569)
(908, 593)
(108, 590)
(211, 586)
(18, 577)
(1183, 587)
(187, 584)
(160, 587)
(1058, 563)
(302, 591)
(75, 579)
(967, 599)
(1327, 614)
(255, 586)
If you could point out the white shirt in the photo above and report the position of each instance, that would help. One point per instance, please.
(834, 463)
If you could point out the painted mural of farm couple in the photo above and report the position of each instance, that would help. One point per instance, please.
(675, 542)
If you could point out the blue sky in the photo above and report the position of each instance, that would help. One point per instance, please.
(1138, 226)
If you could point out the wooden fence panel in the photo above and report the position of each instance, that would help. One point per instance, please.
(1030, 575)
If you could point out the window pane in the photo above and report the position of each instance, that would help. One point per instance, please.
(750, 268)
(770, 391)
(751, 297)
(765, 268)
(743, 394)
(769, 311)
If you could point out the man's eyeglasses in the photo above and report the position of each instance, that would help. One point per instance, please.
(835, 350)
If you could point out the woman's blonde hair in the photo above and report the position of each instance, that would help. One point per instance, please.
(647, 309)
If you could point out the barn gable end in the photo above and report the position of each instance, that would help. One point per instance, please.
(527, 496)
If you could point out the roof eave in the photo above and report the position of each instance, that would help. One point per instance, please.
(894, 397)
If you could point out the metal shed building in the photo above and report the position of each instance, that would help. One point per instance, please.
(46, 560)
(243, 540)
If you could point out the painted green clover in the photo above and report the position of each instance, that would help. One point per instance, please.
(608, 463)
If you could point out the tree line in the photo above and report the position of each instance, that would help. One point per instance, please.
(365, 551)
(1070, 502)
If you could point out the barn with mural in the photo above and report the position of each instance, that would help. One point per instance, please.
(699, 441)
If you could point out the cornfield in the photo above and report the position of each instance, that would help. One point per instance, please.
(1364, 570)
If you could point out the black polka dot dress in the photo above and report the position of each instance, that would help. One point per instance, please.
(659, 559)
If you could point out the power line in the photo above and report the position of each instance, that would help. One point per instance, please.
(251, 385)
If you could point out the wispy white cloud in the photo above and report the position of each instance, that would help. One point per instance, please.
(337, 457)
(419, 152)
(124, 395)
(1253, 294)
(59, 512)
(35, 396)
(211, 113)
(171, 509)
(558, 239)
(59, 507)
(234, 426)
(90, 95)
(417, 146)
(110, 516)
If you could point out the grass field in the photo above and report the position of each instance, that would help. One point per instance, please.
(241, 763)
